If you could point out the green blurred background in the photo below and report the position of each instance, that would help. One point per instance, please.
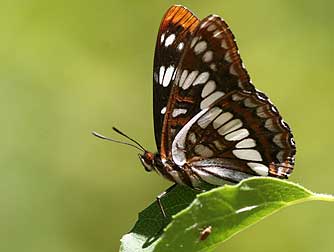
(70, 67)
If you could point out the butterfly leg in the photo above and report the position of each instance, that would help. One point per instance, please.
(160, 196)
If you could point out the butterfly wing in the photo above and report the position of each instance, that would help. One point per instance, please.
(210, 67)
(175, 30)
(240, 135)
(205, 124)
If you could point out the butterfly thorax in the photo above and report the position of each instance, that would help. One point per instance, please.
(168, 169)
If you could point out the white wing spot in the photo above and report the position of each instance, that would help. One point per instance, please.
(162, 38)
(207, 56)
(183, 77)
(246, 143)
(241, 85)
(250, 103)
(213, 67)
(233, 71)
(212, 27)
(161, 74)
(224, 44)
(222, 119)
(211, 99)
(218, 145)
(168, 76)
(204, 24)
(228, 57)
(230, 126)
(252, 155)
(180, 46)
(259, 168)
(237, 97)
(273, 109)
(270, 125)
(174, 74)
(203, 151)
(283, 123)
(280, 170)
(209, 87)
(194, 41)
(280, 156)
(163, 110)
(237, 135)
(261, 97)
(200, 47)
(177, 112)
(277, 139)
(218, 34)
(208, 117)
(169, 40)
(190, 79)
(262, 112)
(192, 137)
(202, 78)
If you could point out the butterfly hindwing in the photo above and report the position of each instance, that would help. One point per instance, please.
(174, 32)
(242, 133)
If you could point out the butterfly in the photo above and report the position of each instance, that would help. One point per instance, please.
(211, 124)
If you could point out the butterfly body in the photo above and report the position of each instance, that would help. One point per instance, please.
(211, 124)
(169, 170)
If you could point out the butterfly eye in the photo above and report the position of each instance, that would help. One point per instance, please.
(147, 161)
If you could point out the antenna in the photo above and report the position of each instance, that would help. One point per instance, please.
(121, 133)
(120, 142)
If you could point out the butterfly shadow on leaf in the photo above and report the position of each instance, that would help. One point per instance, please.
(151, 224)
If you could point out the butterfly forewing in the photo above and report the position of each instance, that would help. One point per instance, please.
(174, 32)
(209, 68)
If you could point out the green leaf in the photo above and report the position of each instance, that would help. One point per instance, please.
(228, 210)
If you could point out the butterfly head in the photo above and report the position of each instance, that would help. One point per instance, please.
(148, 160)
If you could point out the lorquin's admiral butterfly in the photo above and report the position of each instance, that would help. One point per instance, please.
(211, 124)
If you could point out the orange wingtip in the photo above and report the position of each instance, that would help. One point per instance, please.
(179, 15)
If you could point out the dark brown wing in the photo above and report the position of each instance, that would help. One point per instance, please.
(174, 32)
(242, 132)
(210, 67)
(216, 122)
